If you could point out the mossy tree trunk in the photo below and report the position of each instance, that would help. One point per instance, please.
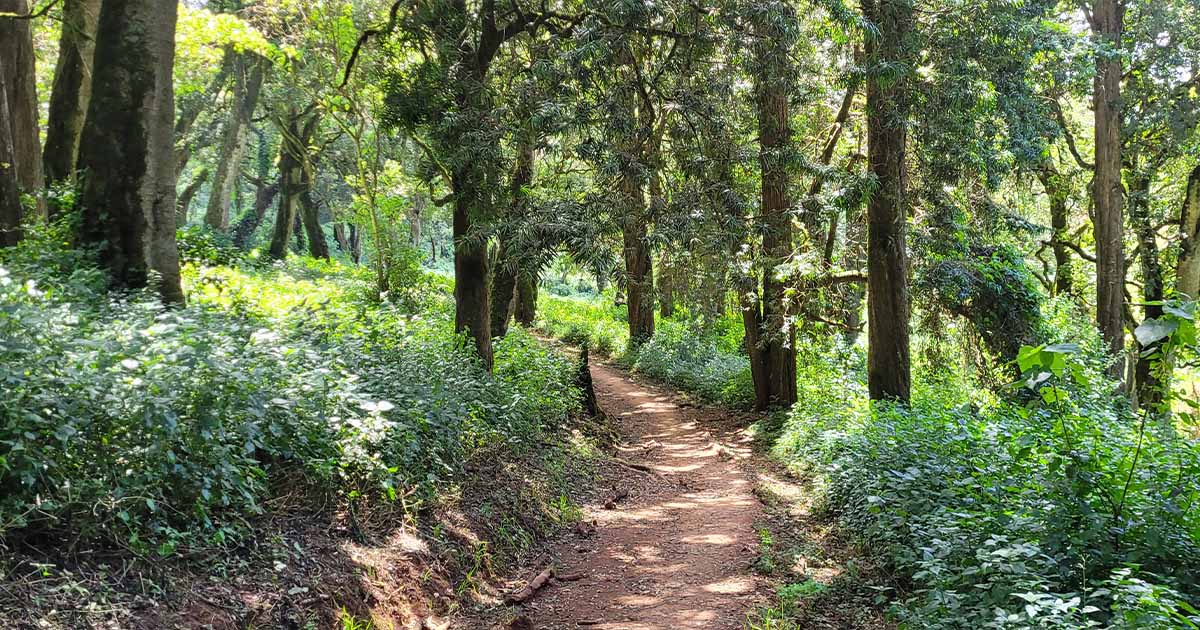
(72, 89)
(128, 193)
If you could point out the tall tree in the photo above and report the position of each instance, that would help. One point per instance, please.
(72, 89)
(10, 189)
(128, 193)
(16, 51)
(775, 335)
(1107, 22)
(889, 53)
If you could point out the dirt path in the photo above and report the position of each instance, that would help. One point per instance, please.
(674, 553)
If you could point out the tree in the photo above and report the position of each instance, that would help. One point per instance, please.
(1107, 22)
(889, 53)
(16, 52)
(10, 189)
(128, 192)
(773, 334)
(72, 89)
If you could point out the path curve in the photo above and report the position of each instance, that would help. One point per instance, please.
(676, 552)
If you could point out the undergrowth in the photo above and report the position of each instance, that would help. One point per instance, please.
(154, 429)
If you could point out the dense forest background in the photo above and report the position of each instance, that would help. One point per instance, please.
(948, 247)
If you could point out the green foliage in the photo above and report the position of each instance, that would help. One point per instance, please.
(1064, 512)
(682, 354)
(201, 246)
(152, 428)
(598, 322)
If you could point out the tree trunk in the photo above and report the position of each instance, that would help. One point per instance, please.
(1147, 382)
(310, 214)
(295, 168)
(10, 189)
(289, 204)
(1187, 277)
(72, 89)
(666, 287)
(263, 196)
(472, 300)
(777, 334)
(504, 286)
(185, 197)
(525, 310)
(1108, 24)
(128, 198)
(248, 80)
(16, 51)
(415, 211)
(888, 359)
(1056, 190)
(504, 275)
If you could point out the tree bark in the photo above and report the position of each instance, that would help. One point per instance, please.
(294, 168)
(1187, 276)
(263, 196)
(185, 198)
(888, 359)
(504, 291)
(248, 80)
(666, 287)
(128, 197)
(310, 215)
(16, 52)
(525, 310)
(289, 204)
(1148, 386)
(1056, 190)
(1108, 25)
(72, 89)
(10, 190)
(777, 335)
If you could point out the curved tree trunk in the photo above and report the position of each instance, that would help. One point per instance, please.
(888, 359)
(185, 198)
(16, 51)
(128, 197)
(72, 89)
(310, 215)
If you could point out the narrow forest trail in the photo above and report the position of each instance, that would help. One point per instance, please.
(674, 553)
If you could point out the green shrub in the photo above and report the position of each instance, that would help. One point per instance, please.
(1006, 515)
(682, 354)
(126, 422)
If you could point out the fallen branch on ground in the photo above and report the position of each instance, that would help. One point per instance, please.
(529, 589)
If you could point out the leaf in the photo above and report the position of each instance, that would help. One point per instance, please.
(1028, 357)
(1153, 330)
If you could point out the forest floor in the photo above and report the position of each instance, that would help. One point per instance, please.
(694, 533)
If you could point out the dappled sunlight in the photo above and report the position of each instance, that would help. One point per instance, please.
(676, 552)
